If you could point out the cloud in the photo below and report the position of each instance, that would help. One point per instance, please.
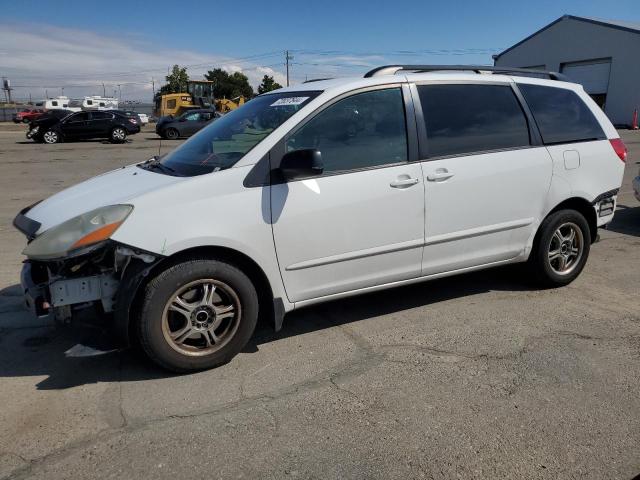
(42, 58)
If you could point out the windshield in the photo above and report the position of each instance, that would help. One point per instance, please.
(222, 143)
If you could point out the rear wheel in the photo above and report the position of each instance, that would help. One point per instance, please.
(118, 135)
(51, 136)
(197, 315)
(561, 248)
(172, 134)
(25, 120)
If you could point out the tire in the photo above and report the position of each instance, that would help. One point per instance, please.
(172, 134)
(25, 120)
(561, 248)
(118, 135)
(51, 137)
(181, 331)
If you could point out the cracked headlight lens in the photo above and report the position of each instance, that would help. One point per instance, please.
(77, 233)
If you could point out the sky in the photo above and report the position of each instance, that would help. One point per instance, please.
(78, 46)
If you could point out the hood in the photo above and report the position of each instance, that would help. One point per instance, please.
(118, 186)
(45, 120)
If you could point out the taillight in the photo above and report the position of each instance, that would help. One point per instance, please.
(133, 120)
(620, 148)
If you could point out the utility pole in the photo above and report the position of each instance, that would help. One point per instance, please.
(119, 93)
(6, 86)
(287, 57)
(153, 87)
(104, 92)
(62, 91)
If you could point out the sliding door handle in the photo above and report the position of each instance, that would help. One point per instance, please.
(401, 182)
(439, 175)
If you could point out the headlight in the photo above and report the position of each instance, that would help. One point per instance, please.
(79, 232)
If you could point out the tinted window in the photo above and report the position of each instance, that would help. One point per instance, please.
(100, 115)
(472, 118)
(364, 130)
(171, 103)
(79, 117)
(54, 103)
(561, 115)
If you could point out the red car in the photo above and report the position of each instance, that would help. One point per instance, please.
(26, 115)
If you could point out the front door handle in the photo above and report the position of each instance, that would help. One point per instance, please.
(403, 181)
(439, 175)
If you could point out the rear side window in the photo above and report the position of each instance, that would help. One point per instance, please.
(561, 115)
(462, 119)
(361, 131)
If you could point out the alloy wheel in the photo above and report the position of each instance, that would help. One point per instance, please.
(565, 248)
(201, 317)
(118, 134)
(50, 137)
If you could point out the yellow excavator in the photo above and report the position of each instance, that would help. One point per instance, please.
(199, 94)
(224, 105)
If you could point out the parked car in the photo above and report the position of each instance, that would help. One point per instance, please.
(325, 190)
(84, 125)
(636, 187)
(186, 124)
(27, 115)
(144, 118)
(141, 118)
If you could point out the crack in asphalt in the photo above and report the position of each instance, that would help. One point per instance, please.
(368, 358)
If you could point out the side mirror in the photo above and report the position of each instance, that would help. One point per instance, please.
(301, 163)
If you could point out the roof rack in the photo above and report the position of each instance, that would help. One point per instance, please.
(393, 69)
(317, 80)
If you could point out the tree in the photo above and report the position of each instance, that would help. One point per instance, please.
(176, 81)
(229, 85)
(268, 84)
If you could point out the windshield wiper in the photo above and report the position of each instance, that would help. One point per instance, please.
(154, 164)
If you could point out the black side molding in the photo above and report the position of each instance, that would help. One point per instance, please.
(604, 195)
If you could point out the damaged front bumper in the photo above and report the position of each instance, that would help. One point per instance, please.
(104, 279)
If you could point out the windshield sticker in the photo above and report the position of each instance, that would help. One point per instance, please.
(289, 101)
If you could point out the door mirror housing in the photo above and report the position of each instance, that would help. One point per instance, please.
(301, 164)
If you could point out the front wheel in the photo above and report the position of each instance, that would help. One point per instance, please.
(51, 136)
(172, 134)
(118, 135)
(561, 248)
(197, 314)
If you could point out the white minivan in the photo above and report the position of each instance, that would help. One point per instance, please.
(324, 190)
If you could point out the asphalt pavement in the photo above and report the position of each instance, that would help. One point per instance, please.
(474, 376)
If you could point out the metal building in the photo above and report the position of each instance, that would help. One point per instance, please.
(602, 55)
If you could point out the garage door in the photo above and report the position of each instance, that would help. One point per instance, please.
(594, 76)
